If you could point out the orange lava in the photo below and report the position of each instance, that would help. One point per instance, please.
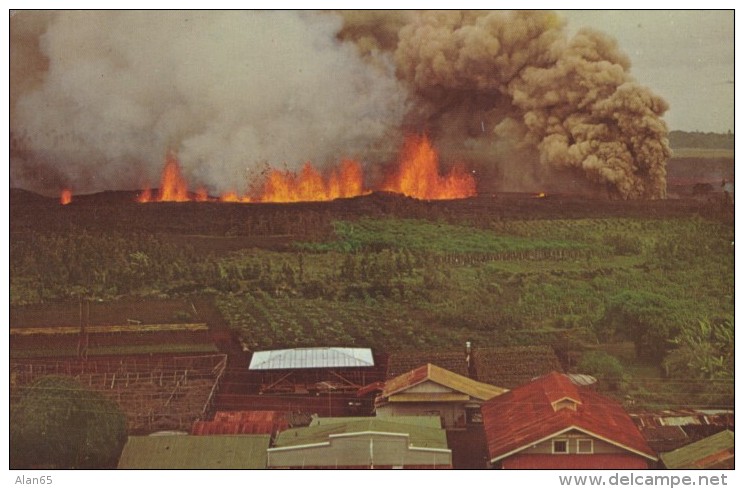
(65, 197)
(234, 197)
(173, 186)
(347, 180)
(418, 175)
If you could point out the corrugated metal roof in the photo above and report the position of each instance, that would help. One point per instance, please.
(321, 357)
(561, 388)
(242, 423)
(443, 377)
(656, 433)
(195, 452)
(685, 417)
(712, 452)
(581, 379)
(680, 420)
(525, 415)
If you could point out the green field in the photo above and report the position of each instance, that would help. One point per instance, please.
(440, 238)
(576, 284)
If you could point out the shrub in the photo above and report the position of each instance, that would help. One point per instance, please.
(607, 369)
(59, 424)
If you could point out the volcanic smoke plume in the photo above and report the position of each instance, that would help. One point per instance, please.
(543, 104)
(98, 97)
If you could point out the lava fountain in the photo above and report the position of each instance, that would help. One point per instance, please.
(416, 175)
(173, 186)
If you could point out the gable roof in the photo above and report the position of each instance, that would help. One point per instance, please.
(430, 372)
(425, 432)
(195, 452)
(529, 414)
(716, 451)
(320, 357)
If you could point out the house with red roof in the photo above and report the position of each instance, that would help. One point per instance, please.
(551, 423)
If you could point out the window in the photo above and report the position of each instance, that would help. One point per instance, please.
(584, 445)
(560, 446)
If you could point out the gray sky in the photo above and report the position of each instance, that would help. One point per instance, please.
(686, 56)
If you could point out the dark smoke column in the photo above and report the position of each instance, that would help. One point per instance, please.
(572, 104)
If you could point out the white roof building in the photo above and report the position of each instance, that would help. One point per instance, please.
(320, 357)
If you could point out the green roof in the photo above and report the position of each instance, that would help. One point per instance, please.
(195, 452)
(710, 452)
(423, 431)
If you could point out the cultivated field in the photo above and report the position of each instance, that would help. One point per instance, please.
(393, 273)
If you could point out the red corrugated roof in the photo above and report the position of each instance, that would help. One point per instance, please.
(560, 388)
(525, 415)
(242, 423)
(406, 380)
(564, 462)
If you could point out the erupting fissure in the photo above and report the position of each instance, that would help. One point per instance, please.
(415, 175)
(346, 180)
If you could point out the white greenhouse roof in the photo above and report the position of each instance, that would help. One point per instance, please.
(321, 357)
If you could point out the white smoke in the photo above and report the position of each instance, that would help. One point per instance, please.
(98, 98)
(229, 91)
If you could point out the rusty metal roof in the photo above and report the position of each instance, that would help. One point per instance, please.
(451, 380)
(321, 357)
(242, 423)
(524, 416)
